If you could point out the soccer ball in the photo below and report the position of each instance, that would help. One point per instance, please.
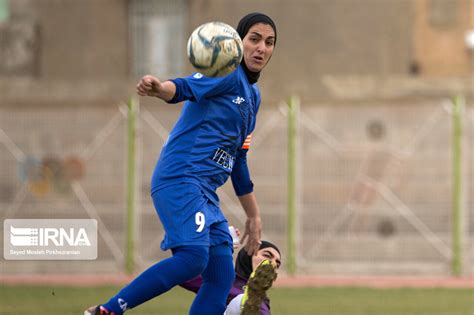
(215, 49)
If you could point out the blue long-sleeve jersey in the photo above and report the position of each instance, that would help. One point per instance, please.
(210, 140)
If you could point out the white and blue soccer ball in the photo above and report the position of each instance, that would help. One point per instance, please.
(215, 49)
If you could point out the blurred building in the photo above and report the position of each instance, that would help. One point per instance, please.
(95, 49)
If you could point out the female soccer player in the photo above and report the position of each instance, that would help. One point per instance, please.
(208, 144)
(261, 281)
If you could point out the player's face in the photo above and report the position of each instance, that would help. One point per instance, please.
(258, 46)
(266, 253)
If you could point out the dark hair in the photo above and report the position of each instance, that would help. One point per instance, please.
(243, 263)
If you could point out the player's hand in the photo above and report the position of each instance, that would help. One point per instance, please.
(149, 86)
(253, 235)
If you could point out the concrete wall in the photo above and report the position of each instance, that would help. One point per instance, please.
(79, 39)
(64, 51)
(322, 45)
(83, 39)
(318, 38)
(438, 37)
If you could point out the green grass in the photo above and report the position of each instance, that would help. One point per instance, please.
(41, 300)
(363, 301)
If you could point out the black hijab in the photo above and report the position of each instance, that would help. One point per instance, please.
(243, 28)
(243, 263)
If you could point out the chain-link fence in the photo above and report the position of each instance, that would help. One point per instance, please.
(374, 183)
(65, 163)
(378, 188)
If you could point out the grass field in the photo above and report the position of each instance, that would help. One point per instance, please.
(42, 300)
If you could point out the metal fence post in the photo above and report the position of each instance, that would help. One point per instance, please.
(133, 107)
(293, 109)
(457, 217)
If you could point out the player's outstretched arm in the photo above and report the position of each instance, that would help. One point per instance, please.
(253, 225)
(151, 86)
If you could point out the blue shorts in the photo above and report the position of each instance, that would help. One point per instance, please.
(189, 218)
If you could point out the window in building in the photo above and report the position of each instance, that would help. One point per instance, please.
(443, 13)
(19, 41)
(158, 37)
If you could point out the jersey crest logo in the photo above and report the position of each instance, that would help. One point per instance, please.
(238, 100)
(197, 75)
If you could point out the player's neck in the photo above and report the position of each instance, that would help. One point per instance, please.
(251, 76)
